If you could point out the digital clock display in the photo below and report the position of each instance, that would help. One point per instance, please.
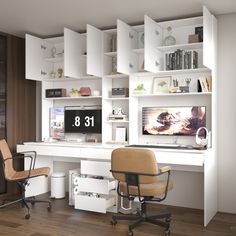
(83, 121)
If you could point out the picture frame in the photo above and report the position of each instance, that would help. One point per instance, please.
(161, 84)
(199, 32)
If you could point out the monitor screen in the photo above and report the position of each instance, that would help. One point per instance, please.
(173, 120)
(57, 123)
(83, 120)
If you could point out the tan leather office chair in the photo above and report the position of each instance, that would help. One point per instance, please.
(137, 173)
(21, 177)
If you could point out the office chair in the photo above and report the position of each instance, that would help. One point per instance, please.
(137, 173)
(21, 177)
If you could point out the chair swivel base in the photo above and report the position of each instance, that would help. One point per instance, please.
(162, 220)
(24, 202)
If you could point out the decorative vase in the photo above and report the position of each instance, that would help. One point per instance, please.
(169, 40)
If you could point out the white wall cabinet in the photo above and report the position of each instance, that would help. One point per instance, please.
(208, 43)
(45, 56)
(130, 48)
(153, 58)
(36, 50)
(74, 54)
(156, 47)
(126, 39)
(94, 51)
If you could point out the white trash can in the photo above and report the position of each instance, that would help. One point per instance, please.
(58, 185)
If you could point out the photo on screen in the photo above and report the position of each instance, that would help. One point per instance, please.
(57, 123)
(173, 120)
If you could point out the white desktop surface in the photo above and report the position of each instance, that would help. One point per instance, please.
(184, 157)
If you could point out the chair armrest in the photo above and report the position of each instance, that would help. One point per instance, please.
(22, 157)
(28, 152)
(165, 169)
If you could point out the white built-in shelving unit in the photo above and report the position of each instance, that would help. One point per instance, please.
(123, 57)
(96, 60)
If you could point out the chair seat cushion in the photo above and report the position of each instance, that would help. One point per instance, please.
(147, 190)
(18, 175)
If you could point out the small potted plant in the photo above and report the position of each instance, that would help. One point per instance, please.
(139, 89)
(74, 93)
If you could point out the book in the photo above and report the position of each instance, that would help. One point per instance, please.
(209, 83)
(203, 83)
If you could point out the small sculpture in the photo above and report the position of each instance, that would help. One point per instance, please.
(60, 72)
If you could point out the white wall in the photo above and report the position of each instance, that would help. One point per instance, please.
(227, 112)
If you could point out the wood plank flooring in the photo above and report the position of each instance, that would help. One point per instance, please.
(63, 220)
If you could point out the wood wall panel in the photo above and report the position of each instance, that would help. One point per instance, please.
(21, 102)
(21, 96)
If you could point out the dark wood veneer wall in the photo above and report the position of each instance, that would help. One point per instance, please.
(20, 100)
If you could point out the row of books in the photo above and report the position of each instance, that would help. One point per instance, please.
(181, 59)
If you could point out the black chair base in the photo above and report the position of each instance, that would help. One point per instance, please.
(24, 201)
(162, 220)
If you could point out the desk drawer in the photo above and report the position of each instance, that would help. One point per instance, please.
(177, 158)
(92, 203)
(92, 185)
(96, 153)
(99, 168)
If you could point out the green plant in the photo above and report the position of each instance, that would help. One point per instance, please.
(140, 87)
(74, 90)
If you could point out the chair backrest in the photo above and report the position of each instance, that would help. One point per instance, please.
(135, 160)
(8, 164)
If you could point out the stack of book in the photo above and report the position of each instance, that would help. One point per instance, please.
(181, 59)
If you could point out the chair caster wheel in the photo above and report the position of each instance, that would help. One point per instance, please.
(167, 233)
(113, 222)
(130, 233)
(49, 208)
(27, 216)
(168, 220)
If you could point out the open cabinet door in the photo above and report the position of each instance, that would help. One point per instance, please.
(33, 57)
(94, 51)
(127, 61)
(153, 58)
(207, 38)
(72, 53)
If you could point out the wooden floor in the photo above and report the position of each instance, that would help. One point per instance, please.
(63, 220)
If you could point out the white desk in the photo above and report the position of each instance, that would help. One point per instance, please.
(184, 161)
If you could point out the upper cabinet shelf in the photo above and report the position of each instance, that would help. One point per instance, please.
(64, 79)
(74, 98)
(172, 94)
(138, 50)
(55, 59)
(171, 72)
(116, 76)
(110, 54)
(187, 46)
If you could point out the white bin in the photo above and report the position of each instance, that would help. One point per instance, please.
(58, 185)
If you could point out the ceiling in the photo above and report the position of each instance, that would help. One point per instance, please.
(48, 17)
